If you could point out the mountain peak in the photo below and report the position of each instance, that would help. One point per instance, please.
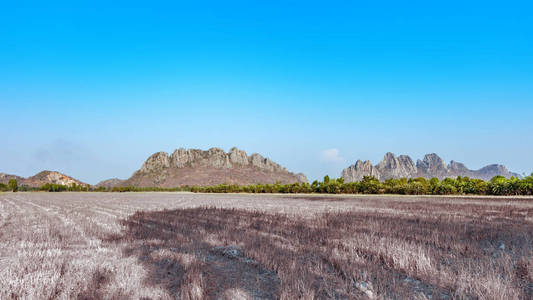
(457, 167)
(41, 178)
(432, 165)
(209, 167)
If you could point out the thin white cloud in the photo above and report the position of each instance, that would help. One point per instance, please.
(331, 156)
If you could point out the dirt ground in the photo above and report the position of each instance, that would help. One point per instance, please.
(239, 246)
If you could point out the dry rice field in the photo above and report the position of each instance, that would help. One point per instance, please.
(237, 246)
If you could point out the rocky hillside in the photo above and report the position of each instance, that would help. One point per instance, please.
(110, 183)
(41, 178)
(432, 165)
(211, 167)
(54, 177)
(4, 178)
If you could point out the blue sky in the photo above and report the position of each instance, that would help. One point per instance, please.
(92, 88)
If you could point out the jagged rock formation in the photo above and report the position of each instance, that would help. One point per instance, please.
(402, 166)
(360, 169)
(496, 170)
(41, 178)
(211, 167)
(431, 166)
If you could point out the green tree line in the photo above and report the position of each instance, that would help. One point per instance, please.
(13, 186)
(52, 187)
(498, 185)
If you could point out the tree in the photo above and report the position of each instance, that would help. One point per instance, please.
(445, 188)
(370, 185)
(498, 185)
(315, 187)
(13, 185)
(416, 188)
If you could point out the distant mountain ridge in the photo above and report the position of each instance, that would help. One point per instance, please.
(108, 183)
(206, 167)
(392, 166)
(41, 178)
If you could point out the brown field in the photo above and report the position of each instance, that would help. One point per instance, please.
(236, 246)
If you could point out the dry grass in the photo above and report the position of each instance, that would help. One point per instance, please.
(191, 246)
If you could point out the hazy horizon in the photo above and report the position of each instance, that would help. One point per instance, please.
(92, 89)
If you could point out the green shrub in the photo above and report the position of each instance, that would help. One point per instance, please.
(12, 185)
(445, 189)
(52, 187)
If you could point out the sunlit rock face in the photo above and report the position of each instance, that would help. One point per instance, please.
(52, 177)
(209, 167)
(360, 169)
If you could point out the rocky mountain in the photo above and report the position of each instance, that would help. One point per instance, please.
(54, 177)
(432, 165)
(4, 178)
(41, 178)
(110, 182)
(210, 167)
